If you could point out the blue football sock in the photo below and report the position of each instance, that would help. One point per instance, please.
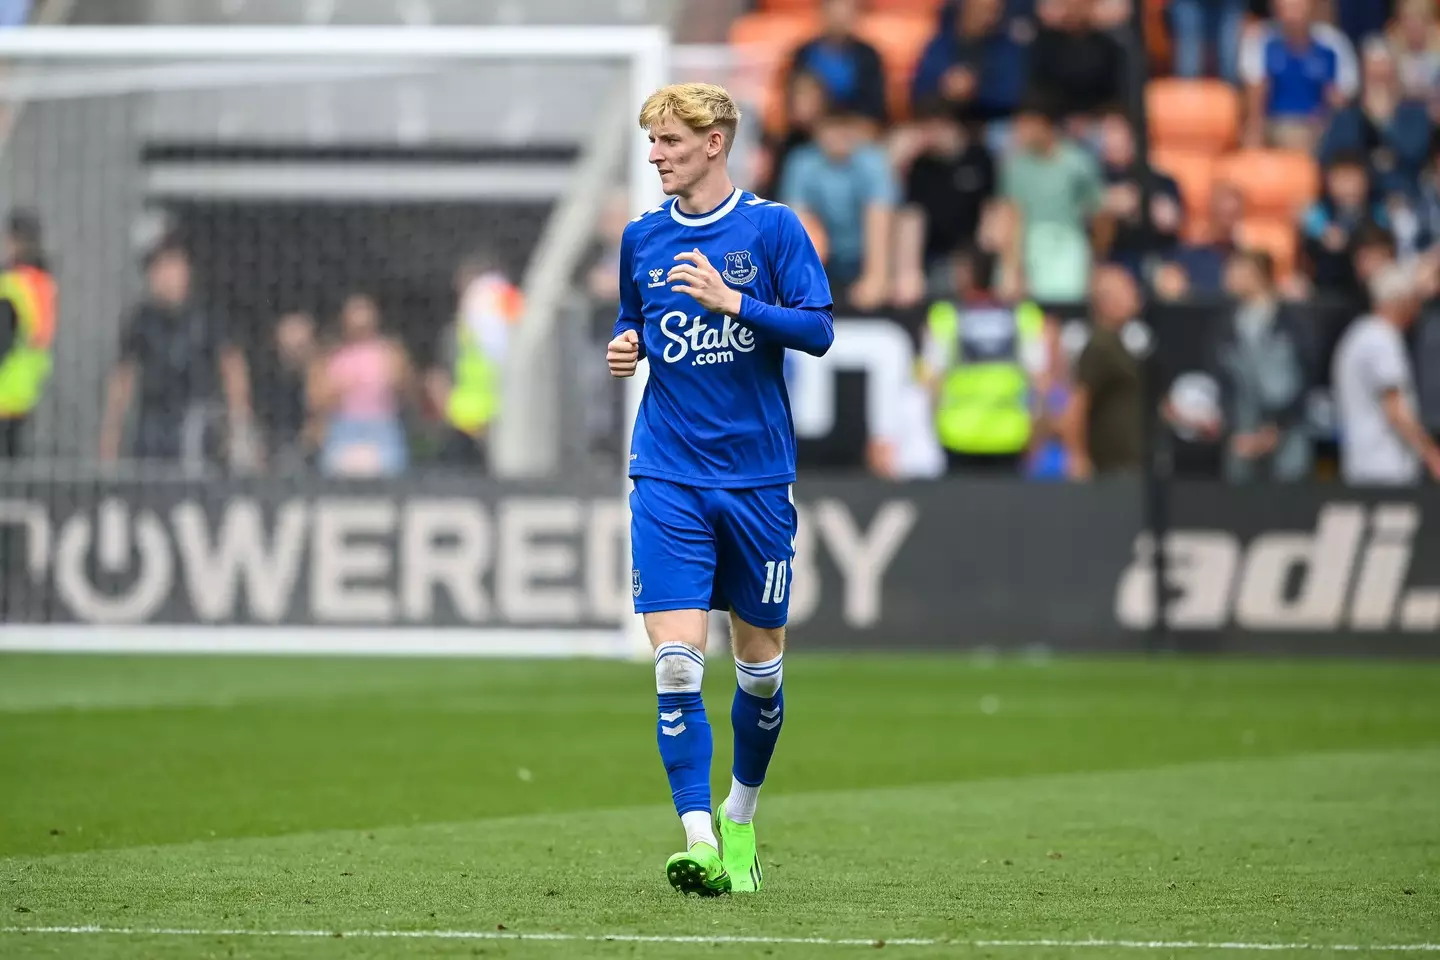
(683, 732)
(756, 715)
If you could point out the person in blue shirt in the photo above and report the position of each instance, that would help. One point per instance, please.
(1389, 128)
(715, 285)
(978, 60)
(845, 181)
(1329, 227)
(849, 68)
(1297, 71)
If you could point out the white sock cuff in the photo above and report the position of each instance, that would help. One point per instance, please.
(679, 668)
(740, 804)
(760, 679)
(698, 828)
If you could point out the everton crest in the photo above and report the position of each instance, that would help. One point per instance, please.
(739, 268)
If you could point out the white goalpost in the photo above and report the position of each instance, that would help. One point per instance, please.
(74, 65)
(646, 50)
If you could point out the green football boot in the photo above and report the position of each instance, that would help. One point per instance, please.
(698, 870)
(737, 845)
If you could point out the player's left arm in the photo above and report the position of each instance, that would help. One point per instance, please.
(802, 319)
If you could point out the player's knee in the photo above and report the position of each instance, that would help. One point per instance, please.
(679, 668)
(760, 679)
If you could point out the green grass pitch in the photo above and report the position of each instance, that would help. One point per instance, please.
(982, 807)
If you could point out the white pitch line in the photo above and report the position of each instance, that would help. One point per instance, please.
(723, 939)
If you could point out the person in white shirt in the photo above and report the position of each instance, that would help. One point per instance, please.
(1382, 442)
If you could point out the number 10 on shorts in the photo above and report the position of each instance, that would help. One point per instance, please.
(776, 573)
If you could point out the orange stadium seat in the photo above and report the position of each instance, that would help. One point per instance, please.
(1275, 183)
(774, 31)
(790, 6)
(927, 8)
(1194, 173)
(1275, 236)
(1193, 114)
(771, 38)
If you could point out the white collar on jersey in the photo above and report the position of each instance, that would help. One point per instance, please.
(711, 217)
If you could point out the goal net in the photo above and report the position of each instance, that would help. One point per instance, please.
(246, 225)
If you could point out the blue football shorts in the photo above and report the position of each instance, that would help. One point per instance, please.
(696, 548)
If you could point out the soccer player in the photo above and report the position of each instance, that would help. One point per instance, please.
(715, 285)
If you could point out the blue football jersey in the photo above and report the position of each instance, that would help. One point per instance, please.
(715, 412)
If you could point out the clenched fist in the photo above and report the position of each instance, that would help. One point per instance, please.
(623, 354)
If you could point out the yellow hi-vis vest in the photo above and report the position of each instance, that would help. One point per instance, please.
(475, 395)
(25, 369)
(984, 405)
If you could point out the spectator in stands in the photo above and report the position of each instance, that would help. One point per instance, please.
(1200, 25)
(1055, 187)
(1204, 263)
(1328, 227)
(849, 68)
(178, 349)
(806, 104)
(1297, 71)
(1382, 442)
(1414, 38)
(465, 382)
(27, 329)
(977, 63)
(1391, 130)
(1110, 14)
(1104, 423)
(979, 358)
(946, 190)
(1262, 360)
(1073, 63)
(846, 183)
(1122, 198)
(356, 392)
(281, 393)
(1360, 20)
(1373, 249)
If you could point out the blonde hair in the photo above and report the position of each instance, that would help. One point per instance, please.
(700, 106)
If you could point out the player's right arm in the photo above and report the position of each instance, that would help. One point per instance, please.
(627, 344)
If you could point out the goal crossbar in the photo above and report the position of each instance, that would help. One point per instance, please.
(455, 43)
(646, 49)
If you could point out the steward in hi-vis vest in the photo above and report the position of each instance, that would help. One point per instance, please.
(470, 390)
(27, 329)
(475, 396)
(979, 357)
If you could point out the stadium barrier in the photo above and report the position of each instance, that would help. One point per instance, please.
(454, 565)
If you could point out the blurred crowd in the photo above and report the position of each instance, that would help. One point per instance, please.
(1292, 161)
(348, 393)
(987, 183)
